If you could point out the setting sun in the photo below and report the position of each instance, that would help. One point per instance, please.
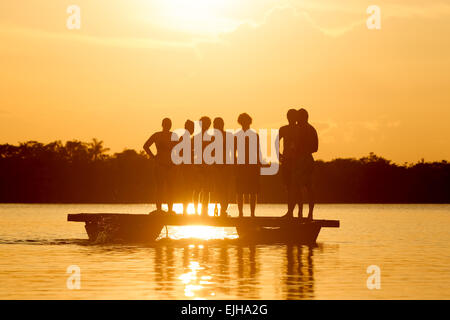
(200, 16)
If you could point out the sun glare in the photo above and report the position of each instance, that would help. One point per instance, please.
(198, 232)
(197, 16)
(178, 208)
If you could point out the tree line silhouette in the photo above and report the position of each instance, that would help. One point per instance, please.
(83, 172)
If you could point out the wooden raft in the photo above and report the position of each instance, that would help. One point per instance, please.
(147, 227)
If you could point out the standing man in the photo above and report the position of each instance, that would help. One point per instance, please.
(222, 172)
(163, 165)
(186, 178)
(247, 154)
(202, 171)
(307, 144)
(289, 135)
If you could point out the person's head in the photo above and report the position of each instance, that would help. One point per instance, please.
(166, 124)
(218, 123)
(244, 120)
(205, 123)
(302, 116)
(189, 126)
(292, 116)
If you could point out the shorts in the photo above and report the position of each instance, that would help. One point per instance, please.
(302, 171)
(247, 179)
(286, 170)
(222, 180)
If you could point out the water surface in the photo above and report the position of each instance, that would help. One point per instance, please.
(410, 244)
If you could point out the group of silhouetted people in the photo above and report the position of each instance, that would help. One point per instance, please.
(236, 167)
(300, 141)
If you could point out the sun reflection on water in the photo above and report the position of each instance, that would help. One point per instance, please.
(193, 282)
(199, 232)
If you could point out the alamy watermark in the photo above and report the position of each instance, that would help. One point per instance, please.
(74, 19)
(374, 21)
(74, 280)
(232, 143)
(374, 280)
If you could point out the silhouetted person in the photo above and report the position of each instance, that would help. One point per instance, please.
(308, 143)
(187, 177)
(163, 163)
(222, 172)
(289, 134)
(247, 164)
(202, 171)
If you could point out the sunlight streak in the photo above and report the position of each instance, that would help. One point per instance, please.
(189, 277)
(178, 208)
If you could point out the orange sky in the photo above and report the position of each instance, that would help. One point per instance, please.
(136, 61)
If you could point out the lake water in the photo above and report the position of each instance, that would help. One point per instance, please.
(409, 243)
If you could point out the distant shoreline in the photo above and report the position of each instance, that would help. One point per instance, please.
(82, 172)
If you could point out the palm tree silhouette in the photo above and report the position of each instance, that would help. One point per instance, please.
(96, 149)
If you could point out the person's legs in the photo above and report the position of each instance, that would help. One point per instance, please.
(309, 185)
(162, 194)
(240, 204)
(291, 202)
(197, 180)
(215, 196)
(223, 207)
(159, 186)
(311, 200)
(246, 199)
(185, 206)
(169, 198)
(201, 195)
(170, 184)
(205, 202)
(222, 198)
(286, 172)
(187, 188)
(195, 196)
(299, 200)
(225, 191)
(252, 200)
(158, 204)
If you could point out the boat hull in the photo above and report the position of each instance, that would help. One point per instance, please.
(301, 234)
(108, 227)
(109, 230)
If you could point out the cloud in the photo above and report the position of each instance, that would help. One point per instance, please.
(355, 16)
(337, 18)
(137, 43)
(348, 132)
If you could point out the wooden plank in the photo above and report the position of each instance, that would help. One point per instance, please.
(180, 220)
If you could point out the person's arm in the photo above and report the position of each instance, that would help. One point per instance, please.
(258, 151)
(315, 140)
(235, 149)
(278, 144)
(229, 138)
(192, 150)
(148, 144)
